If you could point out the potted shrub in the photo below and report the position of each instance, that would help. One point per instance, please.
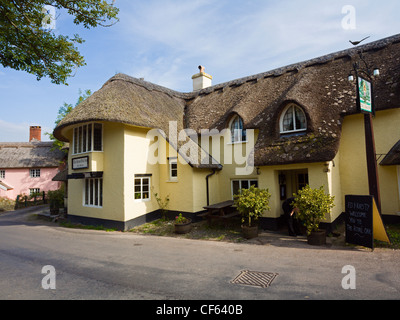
(312, 206)
(251, 203)
(182, 224)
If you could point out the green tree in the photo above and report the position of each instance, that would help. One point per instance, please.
(65, 109)
(26, 44)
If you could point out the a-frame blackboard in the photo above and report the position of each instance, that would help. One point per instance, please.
(359, 220)
(364, 222)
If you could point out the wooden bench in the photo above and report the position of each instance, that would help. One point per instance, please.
(222, 210)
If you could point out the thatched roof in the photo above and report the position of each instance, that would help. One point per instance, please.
(319, 86)
(136, 102)
(29, 155)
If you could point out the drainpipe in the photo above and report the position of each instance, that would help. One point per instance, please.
(208, 195)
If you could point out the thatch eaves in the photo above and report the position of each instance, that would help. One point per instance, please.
(393, 156)
(29, 155)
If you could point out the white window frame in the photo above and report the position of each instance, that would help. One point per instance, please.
(33, 191)
(34, 173)
(237, 134)
(171, 162)
(295, 106)
(2, 174)
(83, 138)
(90, 191)
(141, 192)
(240, 184)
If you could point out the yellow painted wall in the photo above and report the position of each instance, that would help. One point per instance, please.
(353, 165)
(112, 161)
(135, 157)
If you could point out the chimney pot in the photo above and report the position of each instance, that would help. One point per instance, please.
(35, 133)
(201, 80)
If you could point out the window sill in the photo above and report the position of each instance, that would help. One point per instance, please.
(237, 142)
(87, 152)
(293, 133)
(142, 200)
(172, 180)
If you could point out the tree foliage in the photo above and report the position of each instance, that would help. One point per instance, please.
(65, 109)
(26, 45)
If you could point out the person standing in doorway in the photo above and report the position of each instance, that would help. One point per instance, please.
(291, 220)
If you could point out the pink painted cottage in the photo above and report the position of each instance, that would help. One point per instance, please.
(28, 167)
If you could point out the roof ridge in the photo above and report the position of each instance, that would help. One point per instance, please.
(379, 44)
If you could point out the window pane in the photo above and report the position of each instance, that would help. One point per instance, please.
(79, 139)
(90, 137)
(101, 192)
(91, 191)
(238, 134)
(235, 187)
(84, 138)
(300, 119)
(174, 169)
(76, 140)
(96, 192)
(97, 137)
(254, 183)
(288, 120)
(86, 192)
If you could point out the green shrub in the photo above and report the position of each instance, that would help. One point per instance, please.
(252, 203)
(313, 205)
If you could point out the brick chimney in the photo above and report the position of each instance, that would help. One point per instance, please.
(35, 133)
(201, 80)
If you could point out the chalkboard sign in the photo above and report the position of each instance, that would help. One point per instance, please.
(359, 220)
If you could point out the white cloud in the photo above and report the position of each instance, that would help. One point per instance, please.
(232, 38)
(18, 131)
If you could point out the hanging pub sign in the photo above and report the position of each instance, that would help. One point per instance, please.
(365, 101)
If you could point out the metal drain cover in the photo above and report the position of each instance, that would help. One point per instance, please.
(255, 278)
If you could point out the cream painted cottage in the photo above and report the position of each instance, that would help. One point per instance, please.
(279, 130)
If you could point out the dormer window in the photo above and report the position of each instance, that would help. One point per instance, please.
(238, 134)
(293, 119)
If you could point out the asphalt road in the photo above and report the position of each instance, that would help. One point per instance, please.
(114, 265)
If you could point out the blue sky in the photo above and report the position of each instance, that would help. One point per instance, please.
(164, 41)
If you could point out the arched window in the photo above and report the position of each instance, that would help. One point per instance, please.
(238, 134)
(293, 119)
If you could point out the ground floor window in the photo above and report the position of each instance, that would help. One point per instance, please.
(242, 184)
(173, 169)
(142, 187)
(33, 191)
(93, 192)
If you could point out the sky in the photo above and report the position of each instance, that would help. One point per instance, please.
(164, 41)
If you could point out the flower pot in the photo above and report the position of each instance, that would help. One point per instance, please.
(249, 232)
(317, 238)
(183, 228)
